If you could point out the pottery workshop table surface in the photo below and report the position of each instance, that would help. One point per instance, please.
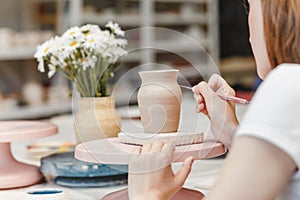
(202, 177)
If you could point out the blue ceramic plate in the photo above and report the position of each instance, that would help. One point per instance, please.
(65, 165)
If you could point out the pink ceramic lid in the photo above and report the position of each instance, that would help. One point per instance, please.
(23, 130)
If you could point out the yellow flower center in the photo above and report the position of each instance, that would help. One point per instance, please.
(46, 50)
(72, 33)
(84, 59)
(92, 40)
(73, 43)
(86, 34)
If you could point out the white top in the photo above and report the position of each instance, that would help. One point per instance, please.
(274, 116)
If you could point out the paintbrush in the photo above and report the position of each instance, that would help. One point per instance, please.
(224, 97)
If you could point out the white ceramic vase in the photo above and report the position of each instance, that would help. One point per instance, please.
(97, 118)
(159, 101)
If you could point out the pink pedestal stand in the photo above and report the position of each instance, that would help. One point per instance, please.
(13, 173)
(111, 151)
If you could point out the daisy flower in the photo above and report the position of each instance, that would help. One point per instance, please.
(115, 28)
(85, 48)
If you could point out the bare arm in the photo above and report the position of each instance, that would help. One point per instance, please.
(254, 169)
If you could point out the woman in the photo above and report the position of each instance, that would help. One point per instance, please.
(264, 159)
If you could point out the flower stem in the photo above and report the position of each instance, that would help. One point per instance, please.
(85, 81)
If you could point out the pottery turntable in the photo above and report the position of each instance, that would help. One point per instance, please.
(15, 174)
(159, 100)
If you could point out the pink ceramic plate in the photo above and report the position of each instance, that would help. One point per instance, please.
(111, 151)
(24, 130)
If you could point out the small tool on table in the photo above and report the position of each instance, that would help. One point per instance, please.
(224, 97)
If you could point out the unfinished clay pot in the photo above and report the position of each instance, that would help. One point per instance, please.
(159, 100)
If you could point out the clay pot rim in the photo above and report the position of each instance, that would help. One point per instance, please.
(159, 71)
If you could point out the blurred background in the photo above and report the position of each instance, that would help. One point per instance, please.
(219, 26)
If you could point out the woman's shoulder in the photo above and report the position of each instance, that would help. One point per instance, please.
(280, 91)
(285, 72)
(283, 80)
(274, 112)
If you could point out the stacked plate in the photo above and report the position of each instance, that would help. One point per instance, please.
(66, 171)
